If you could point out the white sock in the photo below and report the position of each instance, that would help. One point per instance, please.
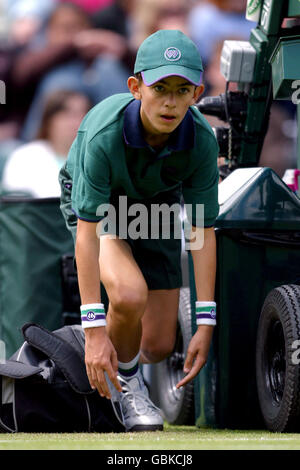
(129, 369)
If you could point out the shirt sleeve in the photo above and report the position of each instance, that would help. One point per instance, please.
(91, 180)
(201, 187)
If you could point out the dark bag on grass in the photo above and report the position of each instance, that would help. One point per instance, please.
(45, 388)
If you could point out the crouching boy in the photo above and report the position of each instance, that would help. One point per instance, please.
(151, 147)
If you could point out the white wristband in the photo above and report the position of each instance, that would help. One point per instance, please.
(92, 315)
(206, 313)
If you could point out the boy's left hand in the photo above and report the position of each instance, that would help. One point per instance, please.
(197, 353)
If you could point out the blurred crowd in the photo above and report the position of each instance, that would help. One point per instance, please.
(59, 58)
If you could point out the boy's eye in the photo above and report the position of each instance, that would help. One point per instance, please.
(159, 88)
(183, 91)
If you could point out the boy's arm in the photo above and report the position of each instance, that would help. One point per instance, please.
(204, 261)
(100, 354)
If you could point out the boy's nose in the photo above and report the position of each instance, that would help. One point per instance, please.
(171, 100)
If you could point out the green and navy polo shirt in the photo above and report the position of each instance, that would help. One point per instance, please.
(110, 157)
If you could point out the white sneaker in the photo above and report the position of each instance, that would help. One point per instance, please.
(135, 408)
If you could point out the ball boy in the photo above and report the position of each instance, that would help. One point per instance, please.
(153, 147)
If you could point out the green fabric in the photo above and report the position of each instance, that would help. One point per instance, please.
(168, 52)
(33, 238)
(100, 164)
(158, 259)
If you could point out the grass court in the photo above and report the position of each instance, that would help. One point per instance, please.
(172, 438)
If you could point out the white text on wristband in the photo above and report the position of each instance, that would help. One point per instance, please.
(92, 315)
(206, 313)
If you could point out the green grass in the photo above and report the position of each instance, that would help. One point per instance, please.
(173, 438)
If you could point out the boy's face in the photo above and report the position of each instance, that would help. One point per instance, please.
(165, 103)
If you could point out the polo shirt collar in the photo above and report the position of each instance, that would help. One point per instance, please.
(183, 138)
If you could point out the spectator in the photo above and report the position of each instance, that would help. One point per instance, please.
(91, 6)
(24, 18)
(137, 19)
(152, 15)
(120, 19)
(173, 16)
(45, 51)
(20, 22)
(72, 55)
(34, 167)
(116, 17)
(9, 119)
(213, 20)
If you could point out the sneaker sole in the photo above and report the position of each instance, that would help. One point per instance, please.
(146, 427)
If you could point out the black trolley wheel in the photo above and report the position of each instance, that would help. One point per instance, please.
(278, 359)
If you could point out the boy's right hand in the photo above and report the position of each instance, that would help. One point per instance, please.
(100, 357)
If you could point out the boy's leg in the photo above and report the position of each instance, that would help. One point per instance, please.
(127, 292)
(159, 325)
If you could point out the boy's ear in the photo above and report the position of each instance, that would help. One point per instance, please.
(134, 87)
(199, 90)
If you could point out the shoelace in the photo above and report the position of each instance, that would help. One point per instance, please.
(135, 398)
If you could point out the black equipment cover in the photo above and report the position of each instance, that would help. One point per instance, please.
(44, 386)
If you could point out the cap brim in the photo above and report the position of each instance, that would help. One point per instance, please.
(155, 75)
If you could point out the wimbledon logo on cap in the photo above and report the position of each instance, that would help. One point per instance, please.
(172, 54)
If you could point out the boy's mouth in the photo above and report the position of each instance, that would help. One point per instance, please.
(168, 117)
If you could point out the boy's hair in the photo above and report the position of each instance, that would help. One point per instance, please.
(139, 77)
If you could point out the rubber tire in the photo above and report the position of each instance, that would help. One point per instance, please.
(177, 405)
(277, 371)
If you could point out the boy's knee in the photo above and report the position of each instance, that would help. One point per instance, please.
(157, 349)
(127, 302)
